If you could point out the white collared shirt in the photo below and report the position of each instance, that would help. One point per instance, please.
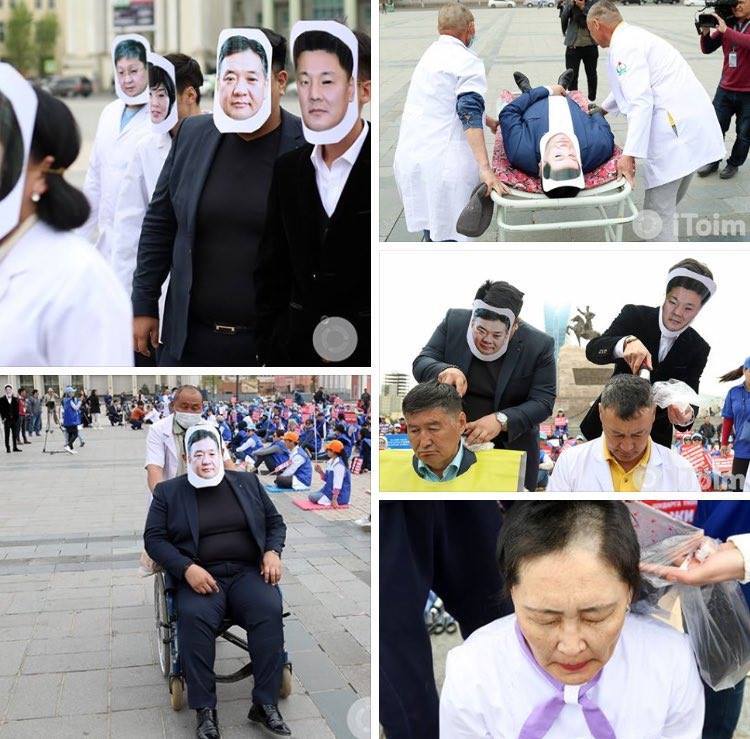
(331, 181)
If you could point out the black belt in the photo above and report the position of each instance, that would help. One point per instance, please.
(224, 328)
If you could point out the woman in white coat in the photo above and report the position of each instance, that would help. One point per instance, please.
(121, 126)
(573, 661)
(60, 303)
(672, 124)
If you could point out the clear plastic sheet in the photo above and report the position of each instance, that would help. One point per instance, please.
(716, 617)
(674, 392)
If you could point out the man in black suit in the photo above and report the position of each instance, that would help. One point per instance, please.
(202, 228)
(9, 413)
(661, 341)
(220, 537)
(504, 370)
(314, 267)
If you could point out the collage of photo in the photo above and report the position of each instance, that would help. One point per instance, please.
(202, 326)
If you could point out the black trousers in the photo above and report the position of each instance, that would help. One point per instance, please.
(739, 467)
(208, 348)
(284, 481)
(72, 432)
(252, 604)
(737, 104)
(589, 55)
(447, 547)
(11, 429)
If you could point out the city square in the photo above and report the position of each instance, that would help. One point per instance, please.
(529, 40)
(77, 630)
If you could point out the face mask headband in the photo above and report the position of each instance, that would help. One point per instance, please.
(707, 282)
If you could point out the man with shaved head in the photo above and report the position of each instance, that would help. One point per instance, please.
(441, 156)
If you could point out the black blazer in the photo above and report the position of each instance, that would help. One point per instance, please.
(309, 269)
(526, 387)
(685, 361)
(171, 533)
(168, 231)
(9, 410)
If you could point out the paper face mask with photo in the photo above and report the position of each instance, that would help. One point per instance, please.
(130, 62)
(205, 462)
(162, 94)
(325, 60)
(489, 330)
(242, 101)
(18, 104)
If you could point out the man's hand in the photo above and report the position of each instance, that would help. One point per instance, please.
(721, 26)
(270, 568)
(491, 123)
(482, 430)
(318, 469)
(557, 89)
(626, 168)
(724, 450)
(145, 334)
(487, 176)
(679, 416)
(725, 564)
(334, 503)
(636, 355)
(200, 580)
(454, 376)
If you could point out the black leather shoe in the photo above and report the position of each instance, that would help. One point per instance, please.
(566, 79)
(269, 716)
(728, 172)
(208, 724)
(16, 449)
(708, 169)
(522, 81)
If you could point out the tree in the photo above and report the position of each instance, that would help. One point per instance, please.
(19, 43)
(46, 31)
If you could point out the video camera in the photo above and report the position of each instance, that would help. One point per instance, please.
(722, 8)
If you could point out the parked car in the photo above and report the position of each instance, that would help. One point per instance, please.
(632, 2)
(70, 86)
(540, 3)
(699, 3)
(501, 4)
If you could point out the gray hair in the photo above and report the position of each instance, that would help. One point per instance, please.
(454, 17)
(626, 395)
(606, 12)
(429, 395)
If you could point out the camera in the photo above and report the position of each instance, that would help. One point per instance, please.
(722, 8)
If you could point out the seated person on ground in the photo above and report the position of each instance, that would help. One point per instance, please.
(220, 537)
(337, 478)
(547, 135)
(296, 472)
(624, 459)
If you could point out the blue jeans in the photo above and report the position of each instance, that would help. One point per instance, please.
(723, 709)
(728, 104)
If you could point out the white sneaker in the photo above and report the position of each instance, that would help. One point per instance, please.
(365, 522)
(70, 451)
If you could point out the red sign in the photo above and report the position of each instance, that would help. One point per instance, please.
(350, 417)
(683, 510)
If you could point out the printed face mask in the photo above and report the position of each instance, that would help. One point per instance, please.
(205, 463)
(489, 331)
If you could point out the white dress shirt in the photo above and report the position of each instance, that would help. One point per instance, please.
(331, 181)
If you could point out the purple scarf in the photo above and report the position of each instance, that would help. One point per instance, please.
(542, 718)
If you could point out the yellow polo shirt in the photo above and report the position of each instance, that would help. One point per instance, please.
(631, 481)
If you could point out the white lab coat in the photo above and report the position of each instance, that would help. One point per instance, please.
(434, 167)
(649, 688)
(650, 80)
(136, 189)
(583, 469)
(61, 305)
(160, 447)
(111, 154)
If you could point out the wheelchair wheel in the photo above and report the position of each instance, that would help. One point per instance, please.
(286, 681)
(176, 692)
(163, 631)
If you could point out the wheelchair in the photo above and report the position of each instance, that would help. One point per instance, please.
(167, 644)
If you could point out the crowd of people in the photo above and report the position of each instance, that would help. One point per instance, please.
(674, 130)
(173, 195)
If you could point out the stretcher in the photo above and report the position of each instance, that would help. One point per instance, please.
(607, 193)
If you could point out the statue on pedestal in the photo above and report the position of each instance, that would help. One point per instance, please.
(581, 326)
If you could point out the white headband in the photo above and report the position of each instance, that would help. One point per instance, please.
(481, 305)
(682, 272)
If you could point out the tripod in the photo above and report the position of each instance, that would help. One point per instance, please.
(47, 432)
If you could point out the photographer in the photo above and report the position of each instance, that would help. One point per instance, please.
(579, 46)
(732, 96)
